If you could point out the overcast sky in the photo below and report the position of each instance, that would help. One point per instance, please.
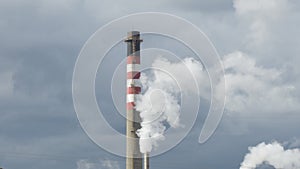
(40, 40)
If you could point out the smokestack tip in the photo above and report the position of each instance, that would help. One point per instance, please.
(133, 36)
(133, 33)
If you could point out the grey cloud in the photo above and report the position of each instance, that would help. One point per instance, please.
(38, 47)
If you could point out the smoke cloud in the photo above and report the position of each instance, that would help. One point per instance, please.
(159, 103)
(273, 154)
(252, 88)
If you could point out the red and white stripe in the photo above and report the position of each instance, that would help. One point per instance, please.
(133, 76)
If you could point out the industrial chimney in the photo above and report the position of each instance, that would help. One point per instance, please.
(133, 155)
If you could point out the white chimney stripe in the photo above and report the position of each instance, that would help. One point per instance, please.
(133, 67)
(130, 98)
(133, 83)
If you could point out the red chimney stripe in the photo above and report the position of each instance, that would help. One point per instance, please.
(130, 106)
(134, 90)
(133, 75)
(133, 59)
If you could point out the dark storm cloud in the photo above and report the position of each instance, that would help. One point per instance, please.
(39, 43)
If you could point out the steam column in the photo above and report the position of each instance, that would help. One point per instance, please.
(134, 156)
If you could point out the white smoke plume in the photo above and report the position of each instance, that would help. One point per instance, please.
(159, 104)
(273, 154)
(101, 164)
(252, 89)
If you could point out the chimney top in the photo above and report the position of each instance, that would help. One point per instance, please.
(133, 36)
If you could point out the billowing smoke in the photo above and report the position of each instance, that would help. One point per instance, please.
(159, 103)
(273, 154)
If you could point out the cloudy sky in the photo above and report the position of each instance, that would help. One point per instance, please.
(258, 42)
